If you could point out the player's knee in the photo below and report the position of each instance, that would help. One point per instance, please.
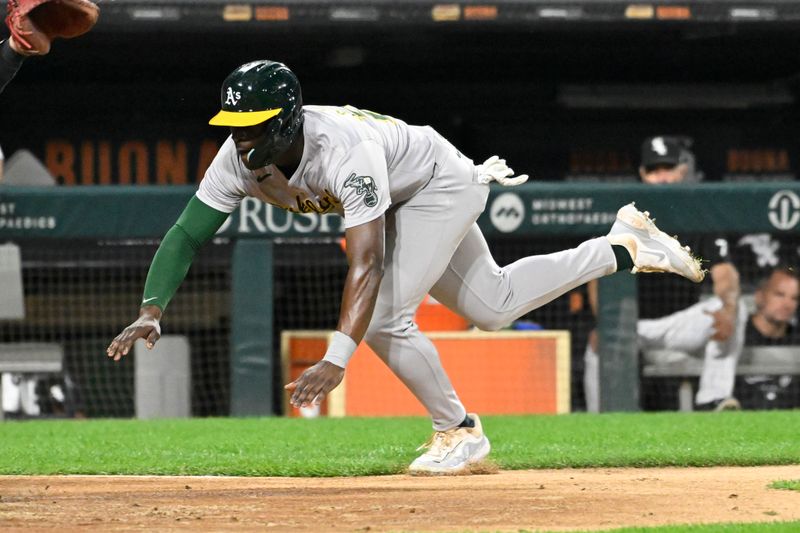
(373, 333)
(490, 323)
(379, 330)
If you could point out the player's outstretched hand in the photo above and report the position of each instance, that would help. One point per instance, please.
(314, 384)
(145, 327)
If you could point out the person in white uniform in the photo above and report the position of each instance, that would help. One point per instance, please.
(410, 201)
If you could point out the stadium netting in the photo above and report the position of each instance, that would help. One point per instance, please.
(81, 293)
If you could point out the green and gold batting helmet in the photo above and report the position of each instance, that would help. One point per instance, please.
(263, 91)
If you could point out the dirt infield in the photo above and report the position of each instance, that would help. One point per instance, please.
(509, 500)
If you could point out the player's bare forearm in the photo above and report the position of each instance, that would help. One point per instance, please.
(725, 279)
(365, 249)
(592, 290)
(358, 300)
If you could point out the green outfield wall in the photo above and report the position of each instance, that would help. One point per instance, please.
(568, 209)
(537, 209)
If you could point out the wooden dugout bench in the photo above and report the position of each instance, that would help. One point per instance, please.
(507, 372)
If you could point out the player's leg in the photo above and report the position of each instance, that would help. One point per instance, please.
(688, 330)
(718, 376)
(421, 236)
(591, 379)
(491, 296)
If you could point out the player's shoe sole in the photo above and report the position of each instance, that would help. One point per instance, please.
(652, 250)
(452, 452)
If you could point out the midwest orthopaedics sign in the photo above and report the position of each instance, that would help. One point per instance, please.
(536, 209)
(569, 211)
(11, 219)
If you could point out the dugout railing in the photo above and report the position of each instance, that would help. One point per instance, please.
(239, 271)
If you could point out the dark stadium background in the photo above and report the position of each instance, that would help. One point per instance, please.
(496, 86)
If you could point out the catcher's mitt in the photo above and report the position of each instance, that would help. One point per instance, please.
(35, 23)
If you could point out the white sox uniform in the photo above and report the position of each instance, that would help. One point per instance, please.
(362, 165)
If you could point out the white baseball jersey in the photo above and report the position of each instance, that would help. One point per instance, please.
(355, 163)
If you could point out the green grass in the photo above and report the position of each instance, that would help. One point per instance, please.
(358, 446)
(765, 527)
(786, 485)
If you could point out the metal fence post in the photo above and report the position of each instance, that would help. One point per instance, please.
(251, 328)
(616, 327)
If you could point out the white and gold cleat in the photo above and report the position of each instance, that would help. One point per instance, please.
(652, 250)
(452, 451)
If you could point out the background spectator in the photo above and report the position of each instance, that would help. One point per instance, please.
(774, 323)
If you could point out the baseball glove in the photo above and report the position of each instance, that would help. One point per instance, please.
(35, 23)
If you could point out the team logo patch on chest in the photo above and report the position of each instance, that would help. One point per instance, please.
(364, 185)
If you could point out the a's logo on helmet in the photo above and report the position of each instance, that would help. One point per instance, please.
(232, 98)
(364, 185)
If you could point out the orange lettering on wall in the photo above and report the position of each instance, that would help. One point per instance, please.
(171, 162)
(87, 163)
(782, 163)
(133, 152)
(207, 152)
(760, 160)
(104, 162)
(583, 161)
(733, 161)
(60, 161)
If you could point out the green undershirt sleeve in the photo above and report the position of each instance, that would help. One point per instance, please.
(196, 225)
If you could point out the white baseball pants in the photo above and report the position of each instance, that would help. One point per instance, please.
(433, 245)
(688, 331)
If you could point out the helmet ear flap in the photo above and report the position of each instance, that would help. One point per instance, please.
(258, 157)
(278, 137)
(263, 153)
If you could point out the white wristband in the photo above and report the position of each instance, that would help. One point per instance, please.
(148, 321)
(340, 350)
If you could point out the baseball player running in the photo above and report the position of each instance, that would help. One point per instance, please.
(409, 201)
